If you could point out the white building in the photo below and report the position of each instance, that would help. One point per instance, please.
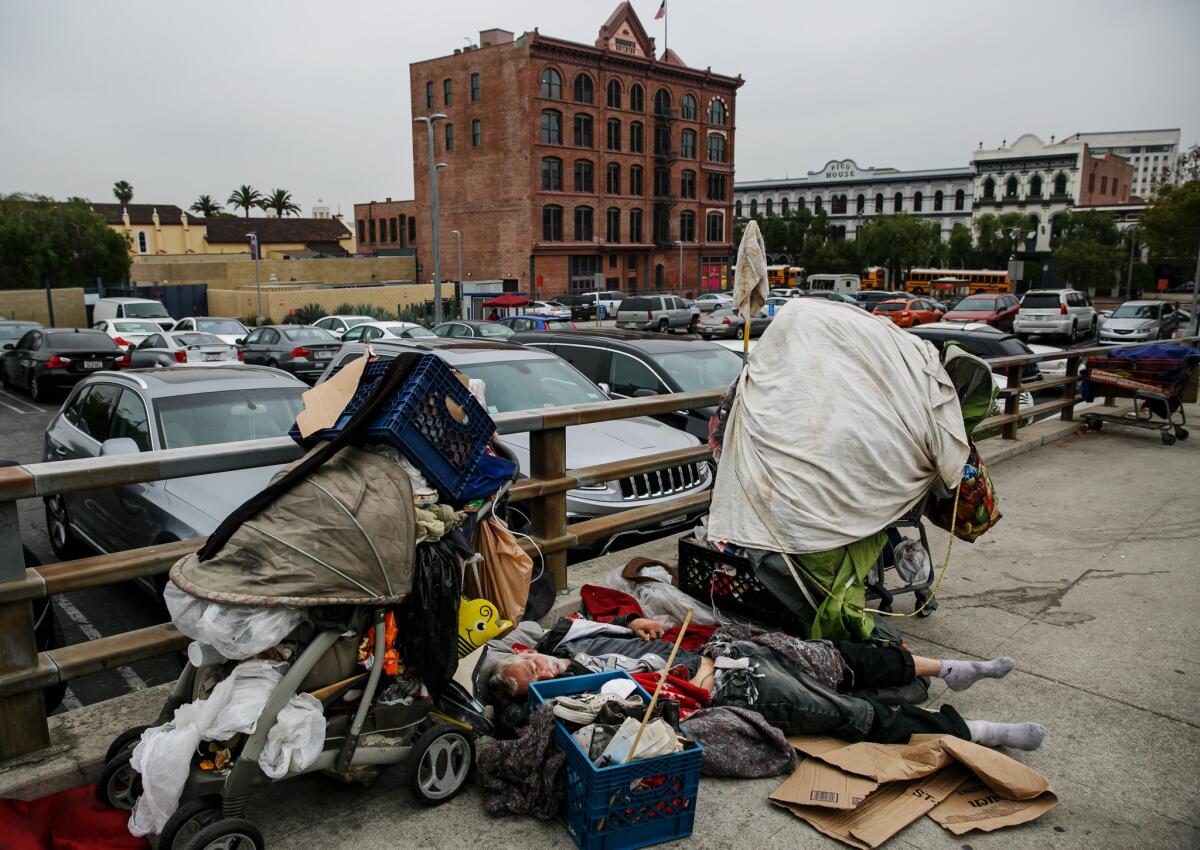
(1150, 152)
(851, 195)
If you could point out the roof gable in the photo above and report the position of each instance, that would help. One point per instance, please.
(623, 33)
(141, 213)
(276, 230)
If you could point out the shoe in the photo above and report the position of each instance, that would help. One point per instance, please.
(583, 708)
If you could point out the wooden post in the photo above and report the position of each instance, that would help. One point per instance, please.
(1012, 404)
(1067, 414)
(22, 716)
(547, 460)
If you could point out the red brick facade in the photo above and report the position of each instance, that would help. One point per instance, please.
(496, 188)
(1105, 180)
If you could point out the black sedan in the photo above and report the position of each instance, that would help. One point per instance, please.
(302, 350)
(46, 360)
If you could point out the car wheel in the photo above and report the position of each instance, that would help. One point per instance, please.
(663, 326)
(274, 364)
(1074, 337)
(4, 381)
(37, 390)
(58, 526)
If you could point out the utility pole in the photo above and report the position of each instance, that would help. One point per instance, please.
(458, 254)
(429, 121)
(679, 242)
(49, 302)
(1129, 274)
(253, 237)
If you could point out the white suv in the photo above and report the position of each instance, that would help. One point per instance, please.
(1063, 312)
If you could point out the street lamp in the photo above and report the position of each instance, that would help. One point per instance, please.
(679, 242)
(458, 254)
(429, 121)
(253, 237)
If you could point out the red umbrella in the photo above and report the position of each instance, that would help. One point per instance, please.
(508, 300)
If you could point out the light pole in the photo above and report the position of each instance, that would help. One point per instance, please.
(458, 254)
(1129, 274)
(429, 121)
(679, 242)
(253, 237)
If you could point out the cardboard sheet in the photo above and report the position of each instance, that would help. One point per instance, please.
(324, 403)
(974, 805)
(815, 783)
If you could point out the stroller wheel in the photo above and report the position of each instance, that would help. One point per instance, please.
(119, 785)
(127, 740)
(1168, 438)
(1181, 433)
(187, 821)
(1095, 424)
(440, 763)
(228, 834)
(928, 609)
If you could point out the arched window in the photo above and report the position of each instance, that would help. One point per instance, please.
(1010, 187)
(770, 207)
(662, 102)
(818, 205)
(960, 198)
(552, 225)
(583, 175)
(753, 207)
(715, 230)
(637, 98)
(1060, 184)
(716, 147)
(918, 201)
(687, 108)
(687, 144)
(989, 188)
(143, 243)
(583, 130)
(612, 221)
(1035, 186)
(583, 92)
(662, 139)
(878, 203)
(687, 183)
(551, 127)
(583, 224)
(837, 205)
(800, 204)
(716, 111)
(783, 207)
(551, 174)
(635, 225)
(687, 226)
(552, 84)
(637, 137)
(635, 181)
(614, 134)
(938, 197)
(860, 204)
(613, 180)
(898, 202)
(737, 210)
(614, 94)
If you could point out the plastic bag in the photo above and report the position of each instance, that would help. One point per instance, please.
(503, 577)
(429, 630)
(912, 561)
(660, 600)
(237, 632)
(978, 507)
(296, 739)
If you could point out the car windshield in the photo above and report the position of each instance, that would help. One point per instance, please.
(976, 304)
(146, 310)
(356, 320)
(309, 335)
(198, 339)
(220, 326)
(205, 419)
(493, 329)
(1038, 301)
(1136, 311)
(700, 368)
(16, 331)
(409, 330)
(90, 341)
(558, 326)
(136, 327)
(528, 384)
(891, 306)
(721, 313)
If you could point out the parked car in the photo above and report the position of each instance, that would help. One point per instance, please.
(582, 307)
(46, 360)
(630, 364)
(998, 310)
(1049, 368)
(908, 312)
(128, 332)
(607, 303)
(828, 295)
(463, 329)
(871, 297)
(187, 348)
(229, 330)
(385, 330)
(1062, 312)
(1135, 321)
(727, 324)
(660, 313)
(132, 308)
(788, 292)
(12, 330)
(710, 301)
(124, 413)
(553, 309)
(527, 378)
(981, 340)
(340, 324)
(302, 350)
(536, 323)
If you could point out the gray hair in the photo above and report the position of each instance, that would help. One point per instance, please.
(500, 684)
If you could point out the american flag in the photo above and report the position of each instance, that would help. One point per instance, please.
(662, 11)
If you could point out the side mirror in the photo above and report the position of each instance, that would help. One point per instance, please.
(241, 340)
(131, 349)
(117, 446)
(8, 346)
(604, 388)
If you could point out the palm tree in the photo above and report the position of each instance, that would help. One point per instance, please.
(281, 201)
(245, 197)
(205, 206)
(123, 192)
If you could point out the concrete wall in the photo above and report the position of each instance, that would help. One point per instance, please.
(30, 304)
(232, 271)
(278, 301)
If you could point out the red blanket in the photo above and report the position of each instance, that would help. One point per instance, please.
(68, 820)
(603, 604)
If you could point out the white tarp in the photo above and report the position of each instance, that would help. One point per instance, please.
(750, 287)
(842, 422)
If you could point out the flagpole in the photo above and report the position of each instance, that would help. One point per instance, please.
(666, 40)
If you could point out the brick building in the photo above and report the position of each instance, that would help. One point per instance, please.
(569, 160)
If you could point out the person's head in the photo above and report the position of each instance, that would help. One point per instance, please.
(511, 676)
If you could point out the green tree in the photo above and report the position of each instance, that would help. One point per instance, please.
(61, 242)
(205, 206)
(959, 246)
(1171, 227)
(245, 197)
(1087, 248)
(998, 237)
(899, 242)
(281, 201)
(123, 192)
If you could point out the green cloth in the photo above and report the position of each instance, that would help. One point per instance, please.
(843, 571)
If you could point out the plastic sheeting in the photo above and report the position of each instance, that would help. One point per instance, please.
(237, 632)
(660, 600)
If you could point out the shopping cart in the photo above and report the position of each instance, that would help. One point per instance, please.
(1154, 383)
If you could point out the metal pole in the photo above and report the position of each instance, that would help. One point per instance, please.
(679, 242)
(1196, 295)
(458, 253)
(1129, 274)
(437, 233)
(49, 302)
(258, 283)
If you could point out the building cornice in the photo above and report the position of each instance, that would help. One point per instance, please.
(545, 47)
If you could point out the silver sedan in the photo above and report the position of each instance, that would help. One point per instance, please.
(182, 348)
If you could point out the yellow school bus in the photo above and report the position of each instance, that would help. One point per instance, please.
(784, 276)
(875, 278)
(921, 281)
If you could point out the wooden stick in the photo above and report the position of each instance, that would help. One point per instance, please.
(326, 692)
(662, 677)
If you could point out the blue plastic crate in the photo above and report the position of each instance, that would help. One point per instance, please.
(603, 811)
(418, 422)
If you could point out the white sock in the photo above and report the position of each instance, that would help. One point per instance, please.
(960, 675)
(1019, 736)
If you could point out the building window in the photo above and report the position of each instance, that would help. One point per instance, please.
(447, 92)
(1035, 186)
(429, 95)
(737, 209)
(818, 205)
(143, 243)
(860, 204)
(370, 227)
(552, 223)
(783, 207)
(583, 131)
(989, 189)
(412, 230)
(637, 98)
(551, 174)
(1115, 194)
(614, 94)
(898, 202)
(687, 227)
(614, 134)
(613, 183)
(392, 229)
(1010, 187)
(612, 229)
(960, 199)
(753, 207)
(687, 108)
(800, 203)
(837, 205)
(938, 198)
(716, 227)
(551, 127)
(662, 102)
(662, 225)
(716, 111)
(362, 231)
(687, 144)
(687, 184)
(474, 88)
(662, 182)
(551, 84)
(637, 137)
(770, 207)
(583, 92)
(583, 175)
(583, 224)
(662, 139)
(635, 181)
(635, 226)
(449, 137)
(716, 147)
(1103, 185)
(476, 133)
(918, 201)
(716, 187)
(1092, 182)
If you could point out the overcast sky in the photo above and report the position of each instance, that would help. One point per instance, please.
(198, 97)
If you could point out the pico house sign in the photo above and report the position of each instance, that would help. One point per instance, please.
(840, 169)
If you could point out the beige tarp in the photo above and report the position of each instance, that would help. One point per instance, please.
(345, 535)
